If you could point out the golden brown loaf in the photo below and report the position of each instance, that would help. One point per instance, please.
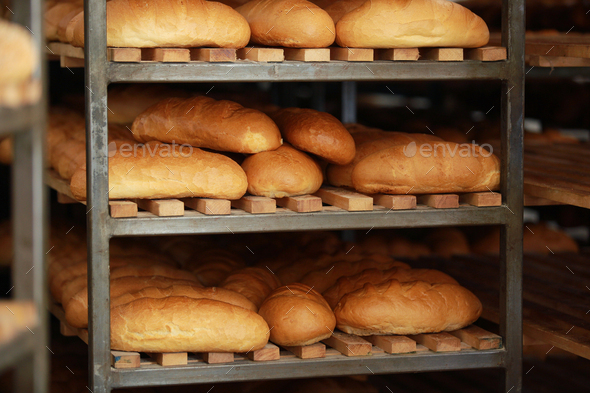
(281, 173)
(297, 315)
(14, 316)
(170, 23)
(212, 266)
(63, 24)
(406, 308)
(18, 59)
(205, 122)
(349, 284)
(289, 23)
(54, 15)
(253, 282)
(340, 8)
(399, 169)
(411, 24)
(168, 171)
(181, 324)
(316, 132)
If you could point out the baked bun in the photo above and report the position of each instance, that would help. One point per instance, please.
(19, 58)
(406, 308)
(340, 8)
(281, 173)
(297, 315)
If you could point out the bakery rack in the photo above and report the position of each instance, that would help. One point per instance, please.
(27, 351)
(99, 72)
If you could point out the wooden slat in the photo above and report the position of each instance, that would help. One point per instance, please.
(64, 199)
(162, 207)
(438, 342)
(66, 330)
(398, 54)
(261, 54)
(442, 54)
(440, 201)
(120, 359)
(269, 352)
(71, 62)
(255, 204)
(301, 204)
(344, 199)
(63, 49)
(556, 61)
(348, 344)
(395, 202)
(120, 209)
(166, 55)
(486, 53)
(557, 49)
(170, 359)
(218, 357)
(393, 344)
(560, 194)
(316, 54)
(213, 55)
(481, 199)
(530, 200)
(351, 54)
(313, 351)
(478, 338)
(124, 55)
(209, 206)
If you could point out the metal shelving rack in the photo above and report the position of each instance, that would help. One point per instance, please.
(28, 351)
(101, 227)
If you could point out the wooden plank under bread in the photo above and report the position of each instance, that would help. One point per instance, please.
(307, 54)
(255, 204)
(162, 207)
(124, 55)
(120, 359)
(170, 359)
(71, 62)
(63, 49)
(556, 48)
(313, 351)
(438, 342)
(66, 330)
(398, 54)
(218, 357)
(166, 55)
(351, 54)
(213, 55)
(440, 201)
(209, 206)
(120, 209)
(560, 193)
(482, 199)
(556, 61)
(261, 54)
(65, 199)
(344, 199)
(301, 204)
(442, 54)
(393, 344)
(486, 53)
(530, 200)
(348, 344)
(478, 338)
(395, 202)
(269, 352)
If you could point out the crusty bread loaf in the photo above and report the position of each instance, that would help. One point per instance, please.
(288, 23)
(205, 122)
(170, 23)
(297, 315)
(282, 172)
(411, 24)
(54, 15)
(399, 169)
(14, 316)
(194, 292)
(19, 58)
(182, 324)
(61, 31)
(349, 284)
(253, 282)
(406, 308)
(168, 171)
(340, 8)
(316, 132)
(212, 266)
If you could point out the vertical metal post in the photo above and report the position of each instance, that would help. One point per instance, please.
(348, 102)
(96, 77)
(513, 29)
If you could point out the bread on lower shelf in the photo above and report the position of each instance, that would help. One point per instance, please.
(253, 282)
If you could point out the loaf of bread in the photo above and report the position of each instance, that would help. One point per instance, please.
(54, 15)
(340, 8)
(282, 173)
(288, 23)
(316, 132)
(170, 23)
(352, 283)
(63, 24)
(182, 324)
(15, 315)
(205, 122)
(406, 308)
(253, 282)
(298, 315)
(156, 170)
(399, 169)
(411, 24)
(212, 266)
(19, 58)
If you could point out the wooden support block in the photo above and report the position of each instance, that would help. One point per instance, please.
(344, 199)
(316, 54)
(478, 338)
(465, 346)
(301, 204)
(482, 199)
(124, 55)
(421, 348)
(218, 357)
(351, 54)
(442, 54)
(63, 49)
(261, 54)
(313, 351)
(67, 330)
(486, 53)
(120, 359)
(209, 206)
(83, 334)
(121, 209)
(398, 54)
(166, 55)
(71, 62)
(530, 200)
(170, 359)
(395, 202)
(440, 201)
(255, 204)
(213, 55)
(162, 207)
(269, 352)
(393, 344)
(65, 199)
(348, 344)
(438, 342)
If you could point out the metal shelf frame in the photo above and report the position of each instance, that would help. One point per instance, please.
(28, 352)
(101, 227)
